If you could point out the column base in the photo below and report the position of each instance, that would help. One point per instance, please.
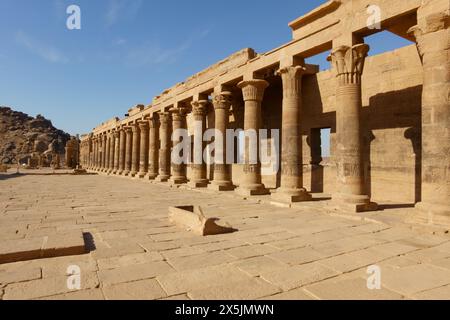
(178, 180)
(221, 186)
(431, 214)
(162, 178)
(201, 183)
(252, 190)
(353, 203)
(141, 175)
(150, 176)
(291, 195)
(126, 173)
(133, 174)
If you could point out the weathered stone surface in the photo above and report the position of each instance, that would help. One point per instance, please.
(298, 276)
(21, 135)
(137, 290)
(343, 288)
(134, 272)
(243, 290)
(192, 219)
(46, 287)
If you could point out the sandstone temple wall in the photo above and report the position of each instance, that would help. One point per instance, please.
(388, 114)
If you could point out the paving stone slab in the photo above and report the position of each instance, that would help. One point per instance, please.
(42, 247)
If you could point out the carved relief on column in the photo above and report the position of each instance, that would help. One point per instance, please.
(222, 103)
(143, 161)
(348, 64)
(112, 146)
(433, 43)
(178, 123)
(105, 152)
(122, 150)
(153, 152)
(291, 189)
(116, 136)
(135, 154)
(199, 173)
(164, 151)
(253, 93)
(128, 150)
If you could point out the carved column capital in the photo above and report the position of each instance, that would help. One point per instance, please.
(291, 77)
(165, 118)
(135, 127)
(178, 114)
(199, 108)
(128, 129)
(253, 90)
(153, 121)
(143, 125)
(349, 62)
(223, 100)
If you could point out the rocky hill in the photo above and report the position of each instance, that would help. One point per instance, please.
(20, 135)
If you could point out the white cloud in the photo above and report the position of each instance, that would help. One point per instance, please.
(121, 9)
(42, 50)
(154, 54)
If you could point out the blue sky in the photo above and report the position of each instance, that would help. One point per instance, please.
(128, 51)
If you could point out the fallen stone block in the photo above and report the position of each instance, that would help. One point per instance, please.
(193, 219)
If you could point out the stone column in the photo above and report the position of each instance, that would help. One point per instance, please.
(433, 40)
(178, 123)
(143, 162)
(291, 189)
(199, 174)
(253, 92)
(153, 152)
(164, 151)
(112, 148)
(222, 181)
(128, 150)
(99, 152)
(122, 150)
(90, 152)
(349, 65)
(96, 153)
(105, 152)
(116, 151)
(135, 155)
(93, 164)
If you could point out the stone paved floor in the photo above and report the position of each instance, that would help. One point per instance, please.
(278, 253)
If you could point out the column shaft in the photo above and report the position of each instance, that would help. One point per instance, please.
(253, 92)
(143, 161)
(122, 150)
(222, 181)
(153, 152)
(433, 39)
(349, 65)
(135, 155)
(178, 170)
(199, 174)
(164, 151)
(291, 189)
(128, 150)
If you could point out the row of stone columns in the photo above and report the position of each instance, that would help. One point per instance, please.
(143, 149)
